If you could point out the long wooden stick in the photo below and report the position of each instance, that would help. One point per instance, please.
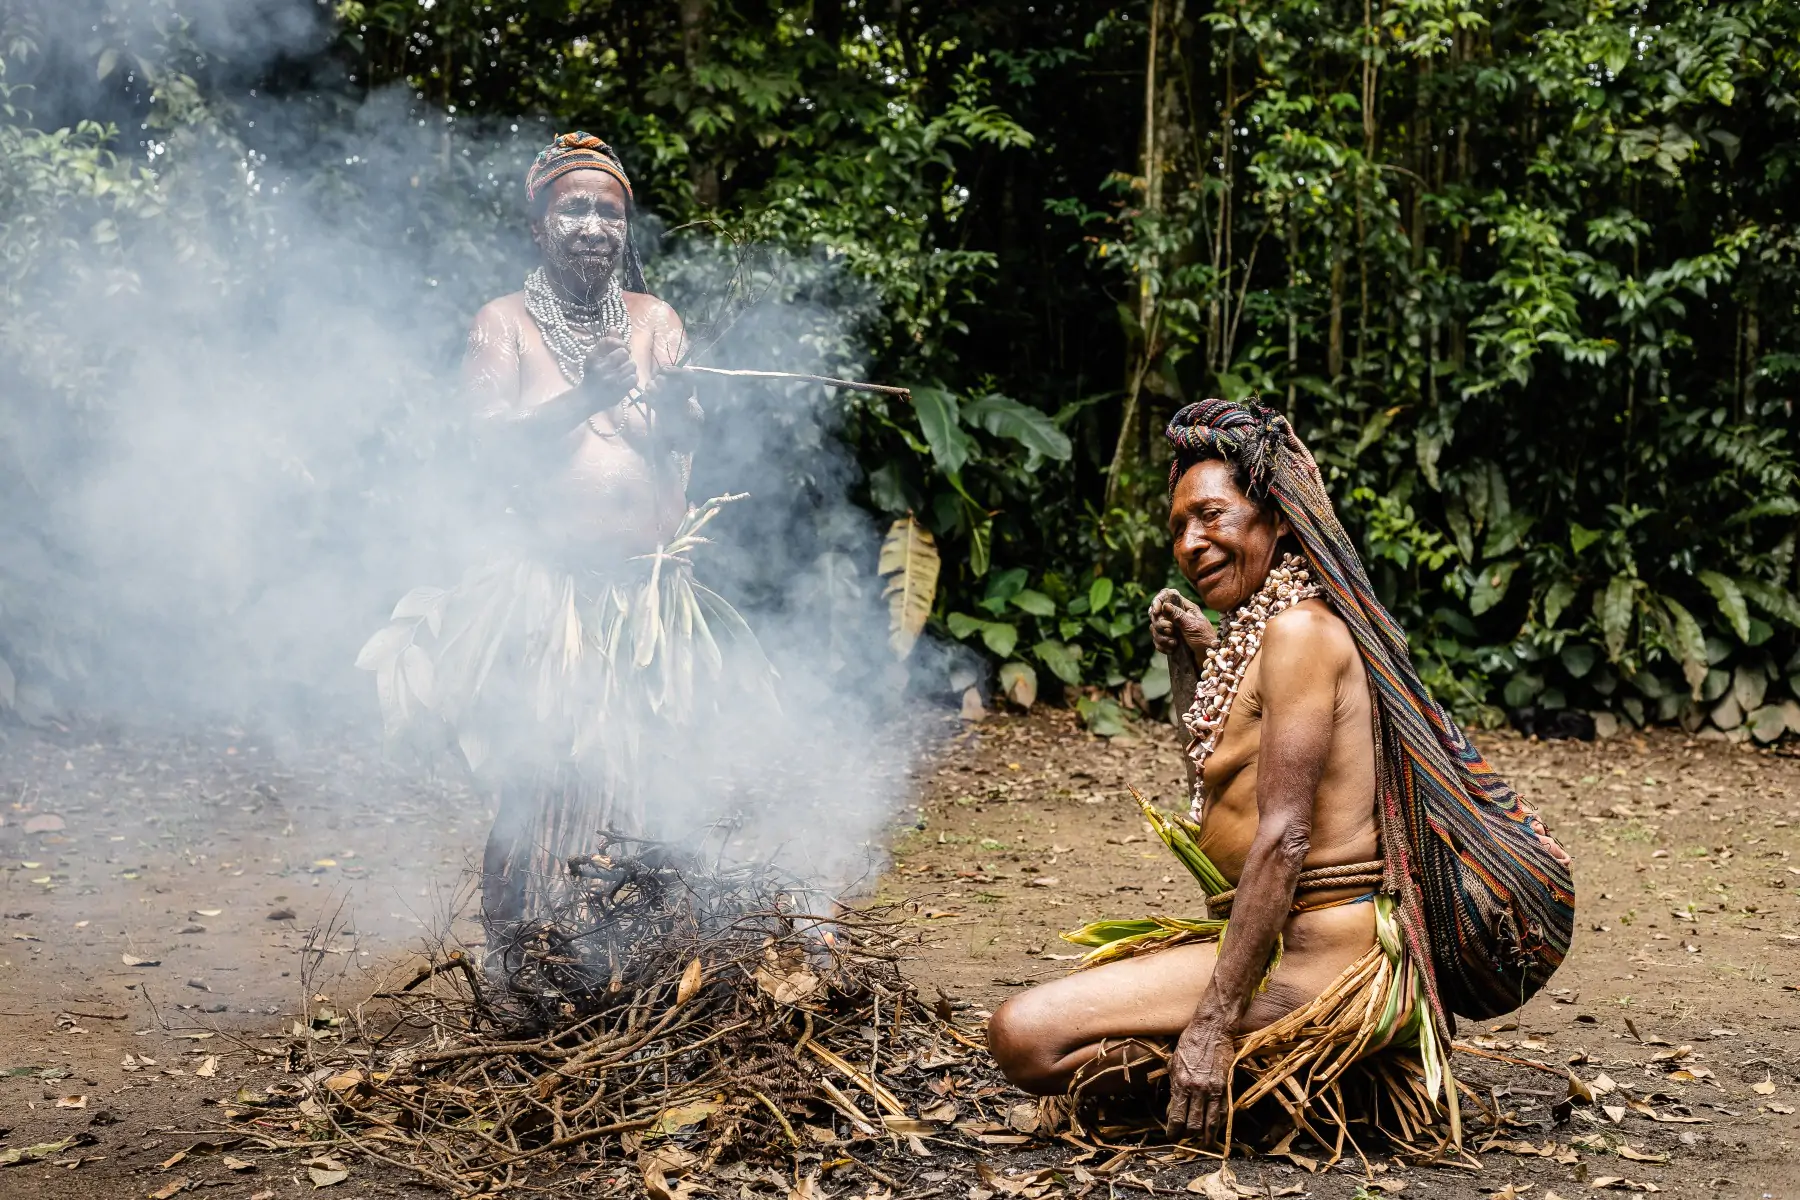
(849, 385)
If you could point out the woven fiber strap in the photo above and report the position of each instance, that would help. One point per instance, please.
(1319, 879)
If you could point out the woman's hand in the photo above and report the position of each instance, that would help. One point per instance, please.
(1177, 621)
(1199, 1078)
(609, 370)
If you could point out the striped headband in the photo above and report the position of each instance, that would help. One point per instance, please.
(576, 151)
(1248, 434)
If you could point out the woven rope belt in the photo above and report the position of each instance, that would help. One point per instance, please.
(1319, 879)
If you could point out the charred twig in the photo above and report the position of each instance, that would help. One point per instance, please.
(653, 992)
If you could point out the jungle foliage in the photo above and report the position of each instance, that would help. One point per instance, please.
(1523, 275)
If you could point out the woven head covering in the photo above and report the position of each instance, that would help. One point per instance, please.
(1485, 895)
(581, 151)
(576, 151)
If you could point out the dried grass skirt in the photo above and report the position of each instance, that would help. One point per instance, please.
(565, 692)
(1366, 1049)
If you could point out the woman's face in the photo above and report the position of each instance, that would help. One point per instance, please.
(582, 232)
(1225, 543)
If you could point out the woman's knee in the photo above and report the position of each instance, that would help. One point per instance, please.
(1022, 1037)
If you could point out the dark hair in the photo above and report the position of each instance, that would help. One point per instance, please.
(1246, 436)
(1240, 472)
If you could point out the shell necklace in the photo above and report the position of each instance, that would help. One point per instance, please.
(571, 329)
(1222, 671)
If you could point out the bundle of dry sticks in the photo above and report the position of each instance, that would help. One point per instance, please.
(665, 1018)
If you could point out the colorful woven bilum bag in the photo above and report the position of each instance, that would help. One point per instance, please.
(1495, 893)
(1483, 888)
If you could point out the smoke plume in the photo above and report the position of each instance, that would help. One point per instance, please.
(241, 441)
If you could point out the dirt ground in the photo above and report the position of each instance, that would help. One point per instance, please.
(158, 891)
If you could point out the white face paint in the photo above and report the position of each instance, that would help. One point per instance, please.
(582, 233)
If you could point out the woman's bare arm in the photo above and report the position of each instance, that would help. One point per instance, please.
(1300, 662)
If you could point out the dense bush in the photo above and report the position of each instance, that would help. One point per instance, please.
(1524, 276)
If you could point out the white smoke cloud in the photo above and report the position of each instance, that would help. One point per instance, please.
(274, 449)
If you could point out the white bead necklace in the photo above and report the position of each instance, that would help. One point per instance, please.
(571, 329)
(1223, 668)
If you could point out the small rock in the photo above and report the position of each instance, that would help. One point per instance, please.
(199, 983)
(281, 914)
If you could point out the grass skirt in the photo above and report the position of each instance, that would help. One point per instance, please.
(1365, 1049)
(564, 691)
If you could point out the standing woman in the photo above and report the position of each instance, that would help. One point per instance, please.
(565, 668)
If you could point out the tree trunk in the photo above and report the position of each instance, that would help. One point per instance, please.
(1334, 346)
(1129, 416)
(703, 167)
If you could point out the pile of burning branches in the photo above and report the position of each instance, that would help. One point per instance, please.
(663, 1020)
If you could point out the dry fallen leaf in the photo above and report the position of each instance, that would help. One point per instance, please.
(322, 1177)
(1784, 1109)
(690, 982)
(1765, 1088)
(1220, 1185)
(209, 1068)
(672, 1119)
(168, 1189)
(236, 1164)
(71, 1102)
(208, 912)
(909, 1127)
(132, 960)
(1630, 1155)
(1614, 1112)
(170, 1161)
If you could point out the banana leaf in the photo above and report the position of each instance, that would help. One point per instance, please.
(1115, 940)
(1182, 836)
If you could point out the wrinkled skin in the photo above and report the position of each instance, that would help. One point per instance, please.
(1290, 786)
(581, 234)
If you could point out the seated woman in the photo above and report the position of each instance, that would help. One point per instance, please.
(1300, 807)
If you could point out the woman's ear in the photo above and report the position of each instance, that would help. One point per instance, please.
(537, 232)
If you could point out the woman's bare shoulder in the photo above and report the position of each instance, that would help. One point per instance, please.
(1310, 631)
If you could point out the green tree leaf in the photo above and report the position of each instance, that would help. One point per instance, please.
(1776, 601)
(999, 637)
(1063, 659)
(940, 421)
(1731, 602)
(1615, 608)
(1035, 603)
(1100, 594)
(1035, 430)
(1689, 644)
(1490, 587)
(1556, 601)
